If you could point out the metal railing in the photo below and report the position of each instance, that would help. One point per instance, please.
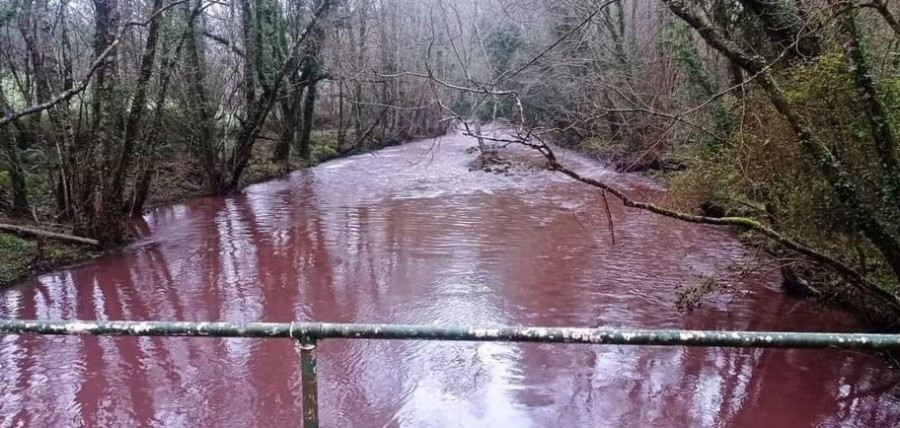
(308, 334)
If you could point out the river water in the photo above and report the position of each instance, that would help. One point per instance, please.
(410, 235)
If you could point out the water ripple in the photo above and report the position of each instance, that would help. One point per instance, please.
(410, 235)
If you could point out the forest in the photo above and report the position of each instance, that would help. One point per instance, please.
(777, 118)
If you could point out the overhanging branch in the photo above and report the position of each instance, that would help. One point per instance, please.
(853, 277)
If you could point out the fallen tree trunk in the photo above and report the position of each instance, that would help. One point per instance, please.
(50, 235)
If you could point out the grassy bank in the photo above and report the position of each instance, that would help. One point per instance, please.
(21, 258)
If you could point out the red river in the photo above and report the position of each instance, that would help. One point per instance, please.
(410, 235)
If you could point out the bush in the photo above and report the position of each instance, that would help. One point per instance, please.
(15, 256)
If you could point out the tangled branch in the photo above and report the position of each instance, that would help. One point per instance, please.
(529, 139)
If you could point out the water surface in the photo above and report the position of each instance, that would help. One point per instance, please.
(410, 235)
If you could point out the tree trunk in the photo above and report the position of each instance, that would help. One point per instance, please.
(869, 98)
(251, 127)
(309, 105)
(312, 73)
(291, 120)
(11, 153)
(155, 133)
(882, 8)
(141, 191)
(138, 105)
(17, 178)
(360, 63)
(136, 115)
(16, 175)
(198, 100)
(342, 130)
(737, 79)
(106, 22)
(250, 45)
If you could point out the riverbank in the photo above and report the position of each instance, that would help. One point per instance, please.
(21, 258)
(26, 256)
(695, 187)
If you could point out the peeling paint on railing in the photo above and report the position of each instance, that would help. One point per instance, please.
(306, 334)
(609, 336)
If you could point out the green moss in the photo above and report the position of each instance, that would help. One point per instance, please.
(324, 145)
(820, 80)
(62, 253)
(15, 257)
(19, 257)
(890, 92)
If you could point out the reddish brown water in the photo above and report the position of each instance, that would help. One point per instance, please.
(409, 235)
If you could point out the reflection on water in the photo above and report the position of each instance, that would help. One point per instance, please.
(409, 235)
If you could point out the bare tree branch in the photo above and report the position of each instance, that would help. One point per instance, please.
(854, 278)
(10, 116)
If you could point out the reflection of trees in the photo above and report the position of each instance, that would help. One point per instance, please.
(298, 251)
(580, 278)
